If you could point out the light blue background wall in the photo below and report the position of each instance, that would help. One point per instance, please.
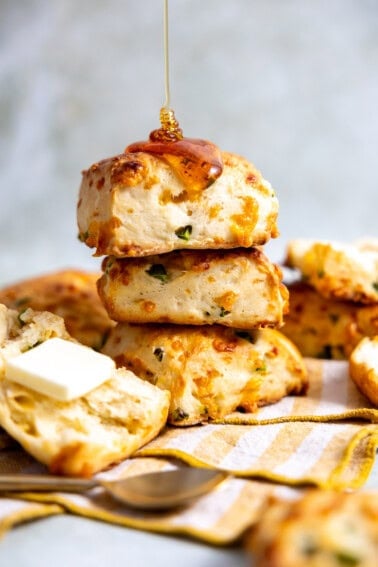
(291, 85)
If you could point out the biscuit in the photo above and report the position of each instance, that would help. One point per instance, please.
(134, 204)
(238, 288)
(210, 371)
(321, 529)
(71, 294)
(327, 328)
(363, 368)
(336, 270)
(368, 243)
(84, 435)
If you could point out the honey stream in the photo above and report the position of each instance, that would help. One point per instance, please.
(198, 163)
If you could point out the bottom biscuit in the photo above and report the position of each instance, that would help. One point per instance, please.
(210, 371)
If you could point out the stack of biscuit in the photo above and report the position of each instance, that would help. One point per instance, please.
(196, 300)
(334, 305)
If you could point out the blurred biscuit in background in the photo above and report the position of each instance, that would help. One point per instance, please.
(337, 270)
(327, 328)
(321, 529)
(71, 294)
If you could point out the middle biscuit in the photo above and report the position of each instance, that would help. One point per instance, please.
(239, 288)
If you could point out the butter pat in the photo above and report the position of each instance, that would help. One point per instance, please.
(60, 369)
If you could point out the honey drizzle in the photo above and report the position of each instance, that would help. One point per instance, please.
(198, 163)
(170, 129)
(166, 61)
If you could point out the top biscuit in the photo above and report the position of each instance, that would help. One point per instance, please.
(134, 204)
(336, 270)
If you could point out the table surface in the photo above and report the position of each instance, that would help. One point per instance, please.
(62, 541)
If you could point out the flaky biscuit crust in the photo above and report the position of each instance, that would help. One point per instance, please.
(238, 288)
(134, 204)
(210, 370)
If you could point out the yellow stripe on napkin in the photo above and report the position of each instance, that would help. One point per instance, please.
(13, 512)
(330, 455)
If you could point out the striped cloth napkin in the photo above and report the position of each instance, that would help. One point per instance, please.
(327, 439)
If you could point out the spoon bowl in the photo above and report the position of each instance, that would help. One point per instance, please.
(150, 491)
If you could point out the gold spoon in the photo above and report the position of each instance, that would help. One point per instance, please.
(149, 491)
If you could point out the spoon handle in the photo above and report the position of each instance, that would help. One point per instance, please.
(43, 483)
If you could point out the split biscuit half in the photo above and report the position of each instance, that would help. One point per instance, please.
(322, 528)
(85, 435)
